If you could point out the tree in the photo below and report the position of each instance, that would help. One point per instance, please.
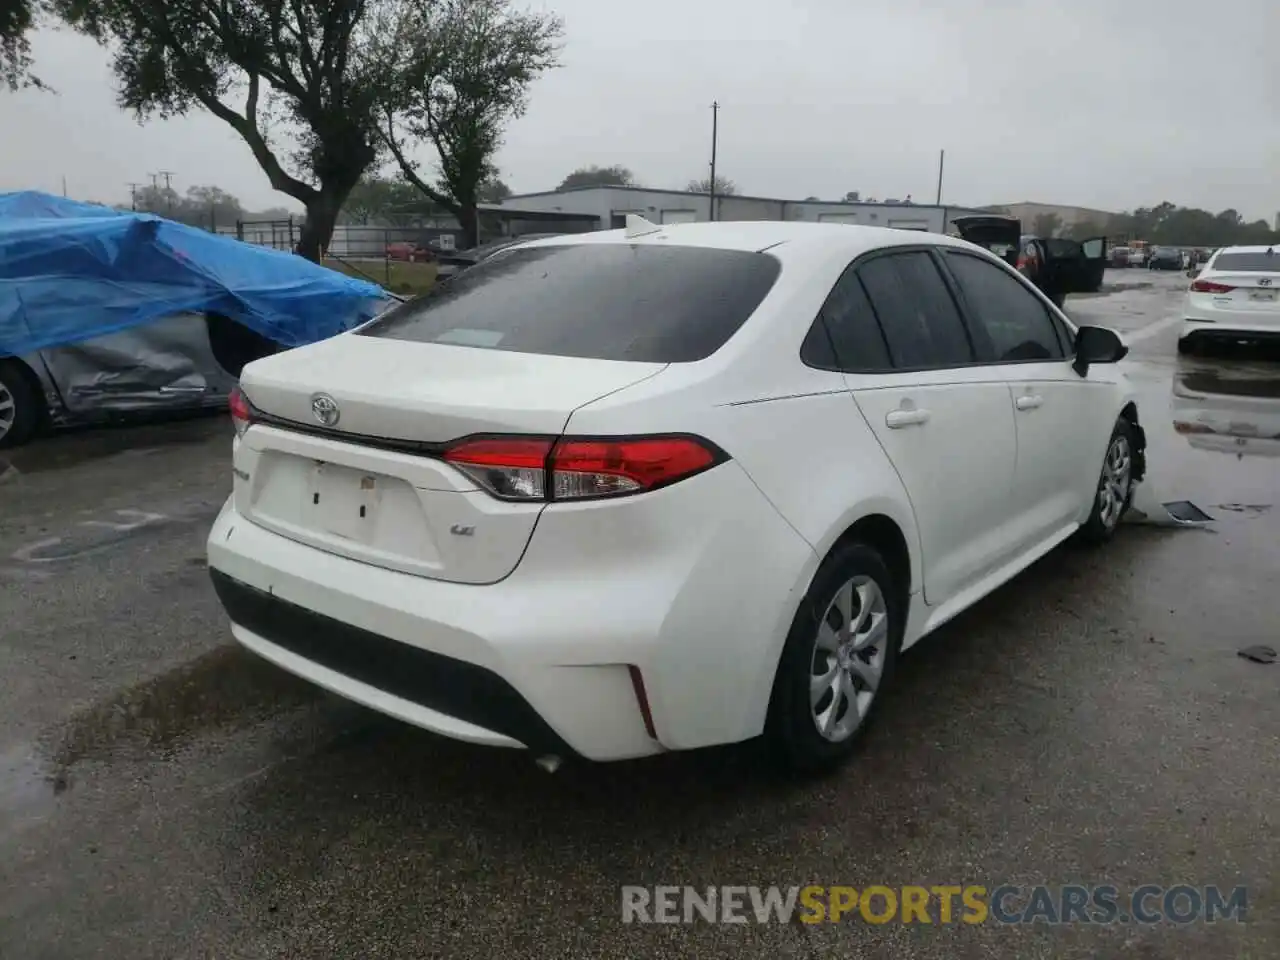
(313, 65)
(724, 186)
(494, 190)
(593, 176)
(1084, 230)
(203, 206)
(17, 19)
(1170, 225)
(464, 71)
(1046, 225)
(376, 199)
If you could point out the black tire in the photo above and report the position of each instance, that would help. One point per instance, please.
(19, 424)
(1103, 523)
(791, 733)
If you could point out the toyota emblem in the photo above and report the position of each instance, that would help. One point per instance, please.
(325, 409)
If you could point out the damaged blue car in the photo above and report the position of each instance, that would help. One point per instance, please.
(105, 314)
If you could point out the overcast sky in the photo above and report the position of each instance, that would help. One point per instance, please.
(1102, 103)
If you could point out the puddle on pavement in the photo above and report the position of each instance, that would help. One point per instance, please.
(227, 688)
(73, 448)
(28, 785)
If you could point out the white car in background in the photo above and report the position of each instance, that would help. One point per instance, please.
(653, 489)
(1236, 296)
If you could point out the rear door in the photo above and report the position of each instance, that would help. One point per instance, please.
(1073, 267)
(945, 422)
(1062, 418)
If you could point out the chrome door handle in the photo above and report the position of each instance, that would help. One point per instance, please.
(896, 419)
(1028, 402)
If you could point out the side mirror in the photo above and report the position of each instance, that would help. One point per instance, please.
(1097, 345)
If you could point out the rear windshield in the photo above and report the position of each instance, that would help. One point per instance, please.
(603, 301)
(1256, 262)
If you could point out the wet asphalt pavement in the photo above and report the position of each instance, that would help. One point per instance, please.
(163, 794)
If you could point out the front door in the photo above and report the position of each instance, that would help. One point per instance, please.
(946, 424)
(1058, 455)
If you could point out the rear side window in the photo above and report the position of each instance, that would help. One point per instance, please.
(603, 301)
(1015, 320)
(916, 311)
(846, 335)
(1252, 262)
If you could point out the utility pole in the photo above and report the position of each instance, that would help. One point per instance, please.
(64, 186)
(168, 189)
(942, 156)
(133, 195)
(715, 117)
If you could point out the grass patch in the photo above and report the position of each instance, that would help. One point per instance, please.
(398, 276)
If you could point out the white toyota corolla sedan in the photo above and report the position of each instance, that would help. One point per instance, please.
(1235, 296)
(653, 489)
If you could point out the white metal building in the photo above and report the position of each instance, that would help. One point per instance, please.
(610, 206)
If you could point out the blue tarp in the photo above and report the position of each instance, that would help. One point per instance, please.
(71, 271)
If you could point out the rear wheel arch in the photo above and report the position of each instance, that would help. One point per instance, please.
(882, 534)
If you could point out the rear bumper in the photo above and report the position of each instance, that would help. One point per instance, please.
(452, 696)
(1228, 324)
(673, 584)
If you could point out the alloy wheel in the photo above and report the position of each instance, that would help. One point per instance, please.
(8, 410)
(848, 658)
(1113, 486)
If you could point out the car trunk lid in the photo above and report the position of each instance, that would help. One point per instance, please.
(371, 484)
(1248, 290)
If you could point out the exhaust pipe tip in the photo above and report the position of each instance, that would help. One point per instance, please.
(549, 762)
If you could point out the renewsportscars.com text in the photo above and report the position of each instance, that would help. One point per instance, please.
(969, 904)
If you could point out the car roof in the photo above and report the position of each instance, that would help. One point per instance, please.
(1254, 248)
(759, 235)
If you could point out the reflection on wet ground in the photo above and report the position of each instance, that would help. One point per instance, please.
(227, 687)
(82, 445)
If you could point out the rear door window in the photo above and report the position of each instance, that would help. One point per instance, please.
(847, 336)
(917, 313)
(604, 301)
(1015, 320)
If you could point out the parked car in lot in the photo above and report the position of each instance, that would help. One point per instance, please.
(1118, 257)
(664, 487)
(105, 314)
(1057, 266)
(1235, 296)
(1138, 256)
(406, 251)
(1166, 258)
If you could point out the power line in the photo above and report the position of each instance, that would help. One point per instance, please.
(133, 195)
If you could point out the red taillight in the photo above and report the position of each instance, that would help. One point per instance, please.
(241, 411)
(523, 468)
(1209, 286)
(513, 468)
(1185, 427)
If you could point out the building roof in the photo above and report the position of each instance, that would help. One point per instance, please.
(732, 196)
